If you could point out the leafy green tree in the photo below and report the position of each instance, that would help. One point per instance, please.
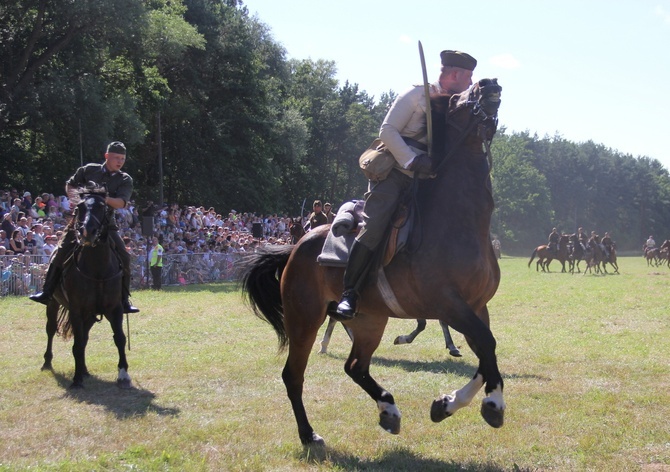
(523, 206)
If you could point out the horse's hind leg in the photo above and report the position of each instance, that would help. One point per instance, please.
(408, 338)
(51, 328)
(367, 336)
(453, 350)
(293, 376)
(329, 333)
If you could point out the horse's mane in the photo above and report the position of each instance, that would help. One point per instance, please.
(76, 194)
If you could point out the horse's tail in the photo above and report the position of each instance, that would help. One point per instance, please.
(532, 256)
(64, 327)
(259, 277)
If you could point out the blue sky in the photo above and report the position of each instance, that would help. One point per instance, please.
(585, 70)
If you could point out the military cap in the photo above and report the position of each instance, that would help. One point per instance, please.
(458, 59)
(117, 147)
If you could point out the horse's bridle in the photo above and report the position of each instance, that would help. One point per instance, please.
(484, 109)
(102, 223)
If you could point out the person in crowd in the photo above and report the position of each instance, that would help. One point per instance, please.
(26, 203)
(4, 240)
(7, 225)
(16, 242)
(119, 187)
(50, 245)
(403, 131)
(30, 243)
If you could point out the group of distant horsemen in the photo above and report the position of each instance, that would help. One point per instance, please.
(577, 247)
(596, 252)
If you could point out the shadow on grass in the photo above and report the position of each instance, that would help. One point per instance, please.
(400, 459)
(124, 403)
(449, 365)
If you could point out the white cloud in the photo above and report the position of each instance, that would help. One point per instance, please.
(405, 39)
(665, 16)
(506, 61)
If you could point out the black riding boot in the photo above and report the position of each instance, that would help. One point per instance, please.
(50, 282)
(127, 307)
(354, 275)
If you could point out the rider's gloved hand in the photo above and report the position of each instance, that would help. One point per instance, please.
(421, 164)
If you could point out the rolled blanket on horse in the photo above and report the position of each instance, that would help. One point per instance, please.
(342, 234)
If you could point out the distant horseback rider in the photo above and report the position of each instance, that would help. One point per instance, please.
(582, 237)
(404, 134)
(554, 238)
(650, 244)
(608, 244)
(119, 189)
(317, 217)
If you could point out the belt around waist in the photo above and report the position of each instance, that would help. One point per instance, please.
(415, 144)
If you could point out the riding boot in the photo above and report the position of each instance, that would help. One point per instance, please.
(50, 283)
(354, 276)
(127, 307)
(125, 280)
(55, 270)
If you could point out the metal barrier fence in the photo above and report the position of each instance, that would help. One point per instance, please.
(24, 274)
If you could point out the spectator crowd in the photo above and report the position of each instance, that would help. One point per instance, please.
(201, 244)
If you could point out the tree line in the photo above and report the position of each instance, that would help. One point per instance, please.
(242, 126)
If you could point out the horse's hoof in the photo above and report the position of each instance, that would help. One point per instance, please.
(400, 340)
(438, 410)
(124, 383)
(455, 353)
(389, 423)
(47, 366)
(492, 415)
(76, 386)
(313, 440)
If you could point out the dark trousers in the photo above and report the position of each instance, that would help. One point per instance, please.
(157, 276)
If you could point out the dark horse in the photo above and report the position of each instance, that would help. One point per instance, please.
(578, 253)
(91, 285)
(546, 255)
(296, 230)
(449, 274)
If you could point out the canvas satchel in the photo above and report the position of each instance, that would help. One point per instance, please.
(376, 161)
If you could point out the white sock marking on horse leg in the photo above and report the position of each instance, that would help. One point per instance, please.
(496, 397)
(324, 344)
(123, 375)
(389, 408)
(460, 398)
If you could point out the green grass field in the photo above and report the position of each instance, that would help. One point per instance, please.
(585, 359)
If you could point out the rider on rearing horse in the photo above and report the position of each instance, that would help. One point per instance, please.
(404, 134)
(119, 188)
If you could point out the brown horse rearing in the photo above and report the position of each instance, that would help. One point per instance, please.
(449, 274)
